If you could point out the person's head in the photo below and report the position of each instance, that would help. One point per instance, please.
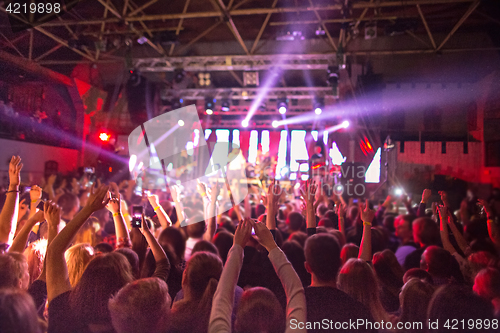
(14, 271)
(259, 311)
(298, 236)
(487, 283)
(460, 303)
(321, 210)
(196, 229)
(417, 273)
(103, 277)
(389, 222)
(201, 275)
(436, 261)
(353, 213)
(349, 251)
(142, 306)
(69, 204)
(223, 240)
(17, 312)
(414, 300)
(174, 237)
(77, 258)
(425, 231)
(478, 261)
(327, 223)
(35, 254)
(403, 227)
(259, 210)
(205, 246)
(132, 258)
(357, 279)
(103, 248)
(388, 270)
(322, 254)
(317, 149)
(295, 221)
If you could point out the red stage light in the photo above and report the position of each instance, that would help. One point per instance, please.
(104, 137)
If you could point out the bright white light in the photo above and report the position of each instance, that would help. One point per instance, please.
(207, 133)
(264, 141)
(131, 162)
(170, 166)
(293, 176)
(189, 148)
(336, 155)
(325, 137)
(244, 123)
(196, 138)
(252, 150)
(297, 186)
(345, 124)
(209, 111)
(304, 177)
(373, 172)
(398, 191)
(298, 151)
(282, 110)
(275, 123)
(318, 111)
(314, 135)
(282, 150)
(284, 171)
(236, 137)
(180, 122)
(141, 164)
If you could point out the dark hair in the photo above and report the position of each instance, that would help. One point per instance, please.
(133, 260)
(322, 252)
(196, 229)
(103, 247)
(322, 209)
(417, 273)
(295, 255)
(425, 231)
(174, 237)
(103, 277)
(295, 221)
(388, 270)
(223, 240)
(458, 302)
(205, 246)
(438, 261)
(259, 311)
(17, 312)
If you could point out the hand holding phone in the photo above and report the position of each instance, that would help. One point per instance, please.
(137, 212)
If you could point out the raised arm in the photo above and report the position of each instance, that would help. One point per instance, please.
(443, 229)
(273, 197)
(122, 235)
(175, 192)
(162, 216)
(426, 195)
(310, 192)
(493, 228)
(162, 264)
(57, 270)
(52, 213)
(295, 296)
(367, 216)
(222, 306)
(8, 216)
(35, 196)
(341, 215)
(19, 243)
(212, 217)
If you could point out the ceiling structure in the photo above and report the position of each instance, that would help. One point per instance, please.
(299, 38)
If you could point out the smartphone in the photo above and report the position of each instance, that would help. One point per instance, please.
(41, 205)
(27, 189)
(88, 170)
(137, 212)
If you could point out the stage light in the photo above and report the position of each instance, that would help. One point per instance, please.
(282, 105)
(209, 105)
(345, 124)
(131, 162)
(398, 191)
(244, 123)
(204, 79)
(275, 123)
(179, 75)
(319, 105)
(104, 137)
(141, 40)
(225, 105)
(180, 122)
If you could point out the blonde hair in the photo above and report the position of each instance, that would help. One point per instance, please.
(88, 232)
(357, 279)
(35, 254)
(77, 258)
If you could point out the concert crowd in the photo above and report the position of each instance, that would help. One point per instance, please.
(78, 255)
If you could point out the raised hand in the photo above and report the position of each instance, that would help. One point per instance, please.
(15, 167)
(214, 194)
(35, 193)
(444, 198)
(153, 200)
(487, 208)
(265, 237)
(243, 232)
(443, 213)
(341, 209)
(98, 198)
(367, 214)
(144, 227)
(114, 188)
(114, 205)
(310, 192)
(175, 192)
(274, 193)
(51, 180)
(52, 213)
(426, 195)
(201, 188)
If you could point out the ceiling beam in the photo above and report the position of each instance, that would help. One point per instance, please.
(34, 68)
(429, 33)
(12, 45)
(52, 50)
(469, 11)
(179, 27)
(262, 28)
(141, 8)
(258, 11)
(332, 43)
(231, 25)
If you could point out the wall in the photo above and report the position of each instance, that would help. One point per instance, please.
(34, 157)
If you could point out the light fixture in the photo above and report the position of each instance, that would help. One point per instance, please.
(209, 105)
(179, 75)
(204, 79)
(177, 103)
(282, 105)
(345, 124)
(104, 137)
(275, 123)
(244, 123)
(225, 105)
(180, 122)
(319, 105)
(141, 40)
(251, 79)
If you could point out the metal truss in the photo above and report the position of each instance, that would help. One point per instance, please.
(251, 93)
(237, 63)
